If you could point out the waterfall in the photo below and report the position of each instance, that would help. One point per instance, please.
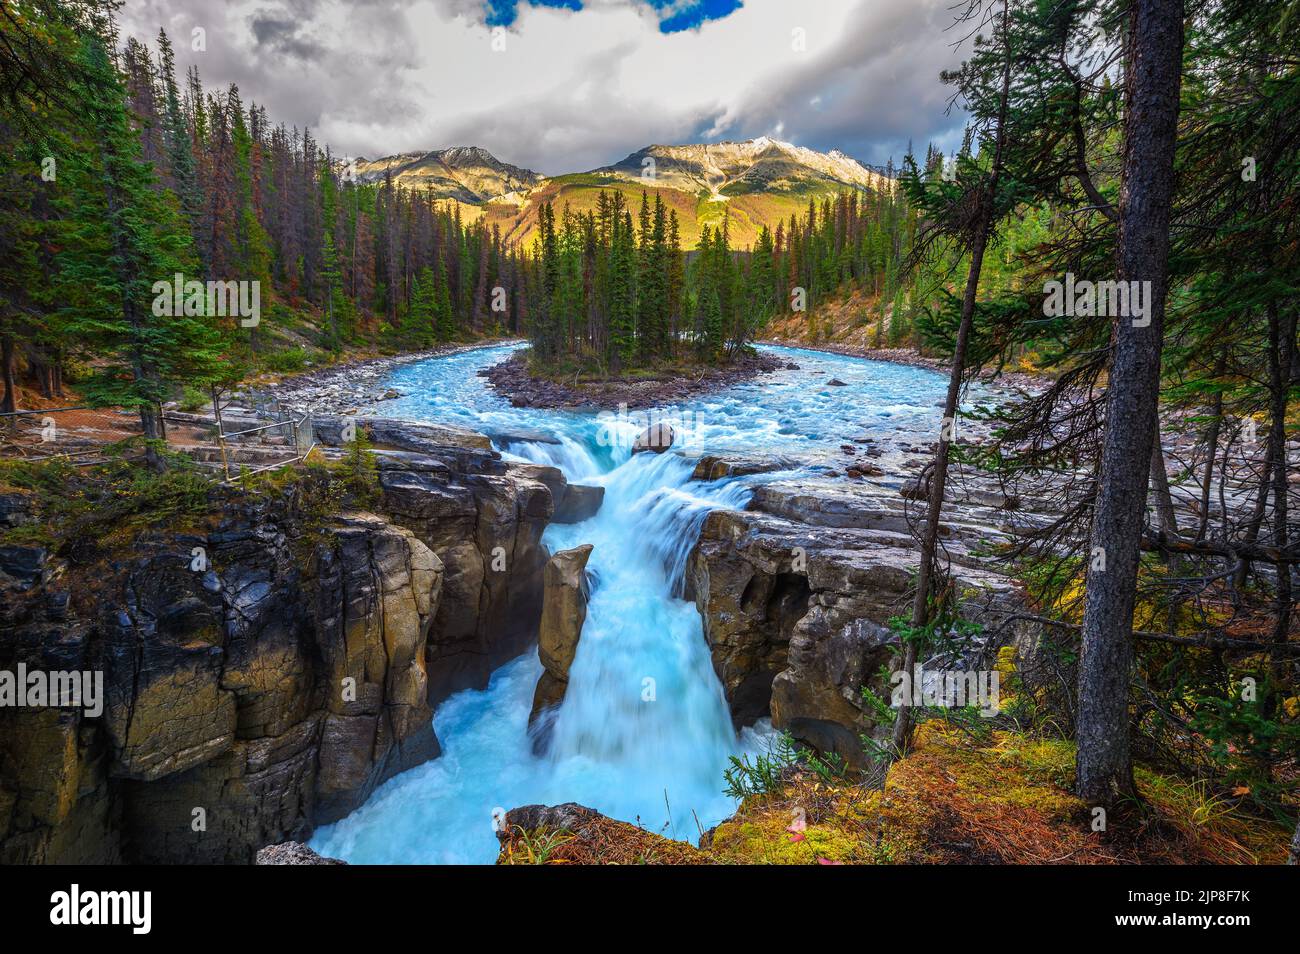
(643, 699)
(644, 733)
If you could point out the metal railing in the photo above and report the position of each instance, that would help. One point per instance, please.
(79, 434)
(302, 436)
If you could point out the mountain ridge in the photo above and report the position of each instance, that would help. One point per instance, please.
(468, 174)
(751, 183)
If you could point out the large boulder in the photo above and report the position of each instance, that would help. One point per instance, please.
(579, 503)
(658, 437)
(564, 610)
(484, 518)
(716, 466)
(750, 595)
(380, 588)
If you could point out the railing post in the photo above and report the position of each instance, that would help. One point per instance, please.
(304, 435)
(221, 433)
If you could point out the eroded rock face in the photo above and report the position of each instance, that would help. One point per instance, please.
(564, 610)
(249, 701)
(579, 503)
(25, 566)
(484, 518)
(796, 594)
(749, 602)
(274, 688)
(379, 590)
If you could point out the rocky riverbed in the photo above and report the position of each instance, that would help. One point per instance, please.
(1006, 379)
(346, 388)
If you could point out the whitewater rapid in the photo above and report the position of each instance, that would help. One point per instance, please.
(644, 733)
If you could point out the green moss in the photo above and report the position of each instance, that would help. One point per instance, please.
(102, 507)
(769, 843)
(959, 799)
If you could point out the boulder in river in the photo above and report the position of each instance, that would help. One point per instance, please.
(579, 503)
(715, 466)
(658, 437)
(564, 610)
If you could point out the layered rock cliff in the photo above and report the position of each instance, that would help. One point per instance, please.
(262, 677)
(565, 592)
(796, 594)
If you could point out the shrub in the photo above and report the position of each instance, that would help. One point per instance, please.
(287, 361)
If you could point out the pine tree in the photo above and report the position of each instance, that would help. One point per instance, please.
(338, 308)
(180, 148)
(675, 283)
(443, 318)
(622, 297)
(119, 239)
(417, 328)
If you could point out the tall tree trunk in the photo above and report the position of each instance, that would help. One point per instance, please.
(939, 476)
(151, 425)
(938, 481)
(8, 369)
(1281, 339)
(1212, 450)
(1164, 499)
(1256, 519)
(40, 370)
(1153, 79)
(1166, 519)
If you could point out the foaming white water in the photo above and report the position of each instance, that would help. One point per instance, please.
(644, 733)
(570, 456)
(642, 694)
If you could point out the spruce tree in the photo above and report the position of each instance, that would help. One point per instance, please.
(119, 238)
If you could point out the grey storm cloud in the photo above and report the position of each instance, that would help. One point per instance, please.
(581, 89)
(282, 36)
(875, 91)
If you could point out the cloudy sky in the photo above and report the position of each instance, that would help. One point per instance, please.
(565, 85)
